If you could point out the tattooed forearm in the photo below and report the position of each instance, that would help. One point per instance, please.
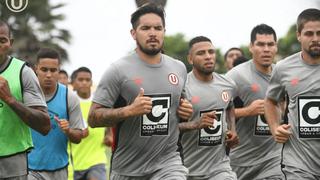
(35, 117)
(100, 116)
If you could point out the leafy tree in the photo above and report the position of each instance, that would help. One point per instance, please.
(35, 27)
(289, 44)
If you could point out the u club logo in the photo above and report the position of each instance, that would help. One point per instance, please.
(16, 5)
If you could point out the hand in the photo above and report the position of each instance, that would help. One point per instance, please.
(232, 139)
(281, 134)
(108, 140)
(63, 124)
(141, 105)
(5, 93)
(185, 109)
(256, 107)
(207, 120)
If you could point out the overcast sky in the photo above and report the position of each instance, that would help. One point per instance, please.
(101, 28)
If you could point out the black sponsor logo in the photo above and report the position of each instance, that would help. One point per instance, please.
(261, 127)
(309, 117)
(211, 136)
(157, 121)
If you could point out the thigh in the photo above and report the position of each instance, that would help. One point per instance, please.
(173, 171)
(23, 177)
(293, 173)
(121, 177)
(14, 166)
(224, 175)
(61, 174)
(270, 170)
(244, 173)
(97, 172)
(80, 175)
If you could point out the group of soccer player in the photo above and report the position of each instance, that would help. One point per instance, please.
(167, 123)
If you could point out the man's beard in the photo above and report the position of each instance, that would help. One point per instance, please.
(150, 52)
(313, 53)
(203, 70)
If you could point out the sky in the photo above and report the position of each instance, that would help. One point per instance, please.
(100, 29)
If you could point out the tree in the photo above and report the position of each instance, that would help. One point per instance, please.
(289, 44)
(35, 27)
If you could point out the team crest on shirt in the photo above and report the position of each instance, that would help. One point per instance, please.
(225, 96)
(211, 136)
(173, 79)
(255, 87)
(294, 81)
(157, 121)
(309, 116)
(261, 128)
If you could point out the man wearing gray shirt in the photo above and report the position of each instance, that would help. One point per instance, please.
(139, 96)
(257, 156)
(299, 76)
(203, 139)
(22, 105)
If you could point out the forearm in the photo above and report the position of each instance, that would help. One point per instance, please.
(242, 112)
(35, 117)
(272, 114)
(231, 119)
(74, 135)
(109, 117)
(187, 126)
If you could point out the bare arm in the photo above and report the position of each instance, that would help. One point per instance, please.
(35, 117)
(74, 135)
(279, 132)
(100, 116)
(255, 108)
(232, 138)
(206, 120)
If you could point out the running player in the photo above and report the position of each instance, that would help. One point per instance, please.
(49, 159)
(139, 96)
(299, 76)
(257, 156)
(22, 105)
(203, 139)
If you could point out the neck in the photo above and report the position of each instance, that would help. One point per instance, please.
(202, 77)
(49, 90)
(3, 59)
(263, 69)
(84, 95)
(310, 60)
(150, 59)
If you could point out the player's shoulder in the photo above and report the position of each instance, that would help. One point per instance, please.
(289, 61)
(239, 70)
(225, 79)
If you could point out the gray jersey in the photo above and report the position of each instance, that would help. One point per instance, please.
(204, 150)
(143, 143)
(74, 111)
(302, 83)
(256, 143)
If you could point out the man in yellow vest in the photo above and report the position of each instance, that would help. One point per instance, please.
(89, 157)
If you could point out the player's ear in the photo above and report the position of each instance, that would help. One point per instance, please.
(133, 34)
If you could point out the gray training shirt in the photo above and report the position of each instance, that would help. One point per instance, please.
(302, 83)
(204, 150)
(256, 143)
(143, 143)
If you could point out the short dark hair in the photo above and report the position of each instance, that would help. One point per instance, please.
(231, 49)
(198, 39)
(48, 53)
(80, 69)
(62, 71)
(4, 24)
(307, 15)
(145, 9)
(239, 60)
(262, 29)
